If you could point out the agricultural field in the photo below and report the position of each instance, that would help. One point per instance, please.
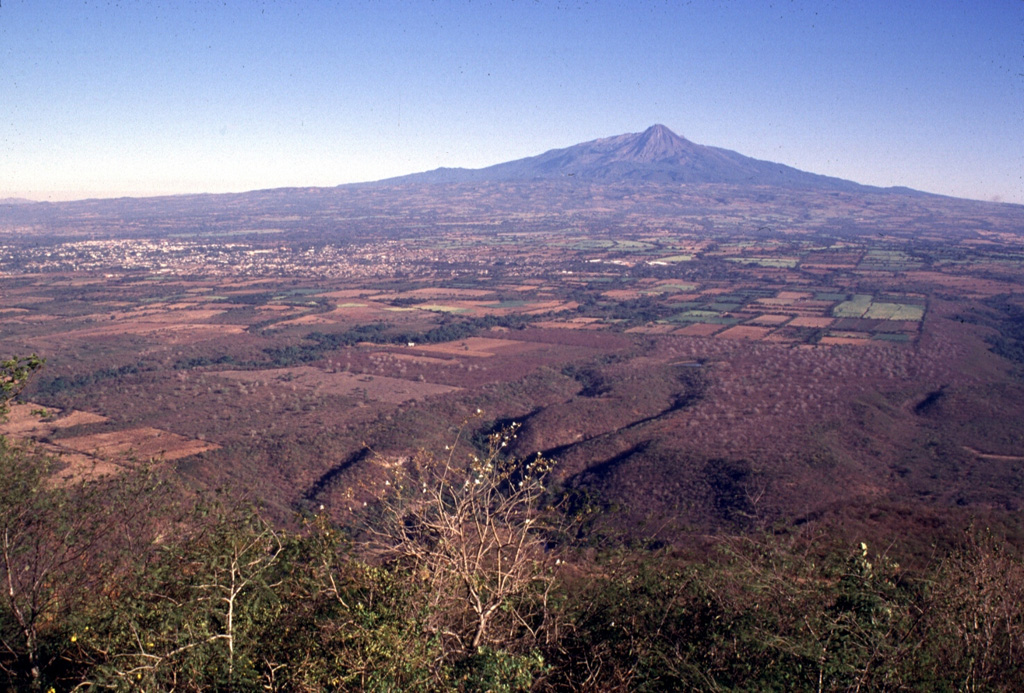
(79, 455)
(361, 385)
(144, 443)
(692, 366)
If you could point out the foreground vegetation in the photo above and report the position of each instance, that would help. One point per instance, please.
(123, 586)
(464, 577)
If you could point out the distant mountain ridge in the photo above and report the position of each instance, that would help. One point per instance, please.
(655, 155)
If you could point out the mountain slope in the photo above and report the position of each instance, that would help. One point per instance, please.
(654, 155)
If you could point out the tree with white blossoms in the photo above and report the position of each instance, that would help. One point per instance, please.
(475, 536)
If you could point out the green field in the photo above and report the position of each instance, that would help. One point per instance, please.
(854, 308)
(669, 288)
(437, 308)
(632, 246)
(862, 306)
(593, 244)
(781, 262)
(507, 304)
(706, 316)
(894, 311)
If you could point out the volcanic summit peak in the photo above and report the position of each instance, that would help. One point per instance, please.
(657, 143)
(660, 131)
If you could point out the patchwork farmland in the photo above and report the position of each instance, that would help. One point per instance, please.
(830, 362)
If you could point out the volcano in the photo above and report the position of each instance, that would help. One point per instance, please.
(655, 155)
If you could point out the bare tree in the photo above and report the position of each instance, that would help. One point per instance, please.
(59, 546)
(979, 609)
(474, 535)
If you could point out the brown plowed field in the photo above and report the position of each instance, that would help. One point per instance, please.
(745, 332)
(140, 443)
(375, 387)
(481, 347)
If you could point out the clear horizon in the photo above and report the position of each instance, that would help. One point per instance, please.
(109, 100)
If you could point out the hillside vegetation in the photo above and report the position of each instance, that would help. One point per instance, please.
(466, 577)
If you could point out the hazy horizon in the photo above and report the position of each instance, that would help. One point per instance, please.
(111, 101)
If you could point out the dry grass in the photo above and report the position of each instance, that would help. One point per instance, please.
(770, 319)
(92, 456)
(440, 292)
(22, 423)
(423, 360)
(174, 316)
(745, 332)
(573, 324)
(969, 286)
(175, 332)
(811, 321)
(699, 329)
(847, 339)
(374, 387)
(651, 329)
(622, 294)
(139, 443)
(480, 347)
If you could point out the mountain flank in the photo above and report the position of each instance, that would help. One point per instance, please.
(655, 155)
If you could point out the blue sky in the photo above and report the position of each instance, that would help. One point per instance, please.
(130, 98)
